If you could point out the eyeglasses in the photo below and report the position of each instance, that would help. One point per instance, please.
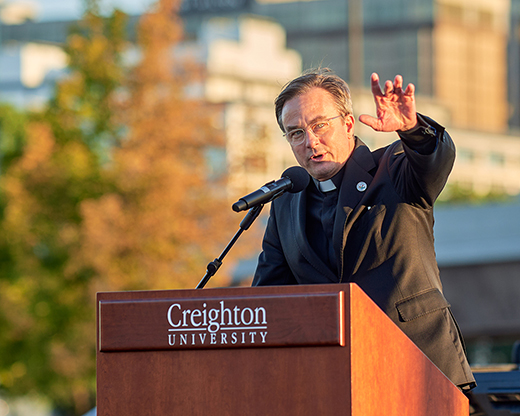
(297, 136)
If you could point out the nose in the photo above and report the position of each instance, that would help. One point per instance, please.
(312, 140)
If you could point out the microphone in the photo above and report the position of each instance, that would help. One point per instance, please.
(295, 179)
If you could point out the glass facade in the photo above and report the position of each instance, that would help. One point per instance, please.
(394, 34)
(514, 66)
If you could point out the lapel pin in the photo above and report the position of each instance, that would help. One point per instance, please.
(361, 186)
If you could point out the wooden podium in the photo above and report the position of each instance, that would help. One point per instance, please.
(286, 350)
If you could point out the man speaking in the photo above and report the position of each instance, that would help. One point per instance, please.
(366, 217)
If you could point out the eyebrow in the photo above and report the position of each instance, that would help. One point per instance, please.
(314, 120)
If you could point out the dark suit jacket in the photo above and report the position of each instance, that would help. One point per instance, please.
(383, 236)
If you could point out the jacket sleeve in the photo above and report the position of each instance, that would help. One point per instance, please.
(429, 155)
(272, 266)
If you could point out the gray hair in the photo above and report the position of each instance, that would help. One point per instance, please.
(320, 78)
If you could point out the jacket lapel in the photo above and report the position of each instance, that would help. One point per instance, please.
(356, 171)
(356, 180)
(298, 206)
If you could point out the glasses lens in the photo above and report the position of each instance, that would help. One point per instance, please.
(296, 136)
(320, 128)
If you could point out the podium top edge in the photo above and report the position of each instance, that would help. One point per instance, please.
(226, 291)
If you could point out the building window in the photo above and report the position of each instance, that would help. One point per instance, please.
(451, 13)
(497, 159)
(465, 156)
(257, 143)
(485, 19)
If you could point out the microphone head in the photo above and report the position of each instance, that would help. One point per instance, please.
(299, 177)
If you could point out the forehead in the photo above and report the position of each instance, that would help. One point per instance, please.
(311, 105)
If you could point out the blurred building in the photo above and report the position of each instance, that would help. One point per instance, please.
(463, 56)
(470, 62)
(513, 76)
(31, 55)
(29, 72)
(457, 52)
(478, 252)
(239, 56)
(246, 63)
(453, 50)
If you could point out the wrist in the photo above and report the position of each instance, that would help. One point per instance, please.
(408, 128)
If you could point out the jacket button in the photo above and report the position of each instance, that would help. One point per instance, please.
(430, 131)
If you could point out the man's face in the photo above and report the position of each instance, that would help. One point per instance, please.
(324, 155)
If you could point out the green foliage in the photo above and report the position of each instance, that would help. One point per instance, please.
(84, 105)
(162, 223)
(104, 190)
(52, 162)
(44, 304)
(12, 142)
(12, 135)
(455, 194)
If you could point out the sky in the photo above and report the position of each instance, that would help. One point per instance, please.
(70, 9)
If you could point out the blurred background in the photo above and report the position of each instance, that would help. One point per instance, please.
(129, 127)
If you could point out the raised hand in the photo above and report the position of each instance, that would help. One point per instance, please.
(395, 108)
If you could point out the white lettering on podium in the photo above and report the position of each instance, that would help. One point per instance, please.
(225, 325)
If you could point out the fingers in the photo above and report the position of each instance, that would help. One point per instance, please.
(398, 82)
(390, 88)
(410, 90)
(396, 87)
(374, 84)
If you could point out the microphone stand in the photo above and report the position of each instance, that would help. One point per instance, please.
(213, 266)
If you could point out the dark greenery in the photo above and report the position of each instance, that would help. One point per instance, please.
(105, 189)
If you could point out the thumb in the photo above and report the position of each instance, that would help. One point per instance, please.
(370, 121)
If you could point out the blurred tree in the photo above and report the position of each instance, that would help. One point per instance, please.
(47, 314)
(46, 338)
(12, 142)
(12, 135)
(458, 194)
(112, 192)
(166, 218)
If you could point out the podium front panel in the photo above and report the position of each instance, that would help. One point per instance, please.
(221, 322)
(329, 350)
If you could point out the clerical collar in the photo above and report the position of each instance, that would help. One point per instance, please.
(326, 186)
(330, 184)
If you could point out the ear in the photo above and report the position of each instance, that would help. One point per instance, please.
(349, 121)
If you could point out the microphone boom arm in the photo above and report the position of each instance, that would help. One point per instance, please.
(246, 222)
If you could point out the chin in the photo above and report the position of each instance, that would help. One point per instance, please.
(322, 174)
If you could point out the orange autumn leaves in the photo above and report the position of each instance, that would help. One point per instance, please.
(112, 191)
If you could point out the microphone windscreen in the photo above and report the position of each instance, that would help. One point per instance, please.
(299, 177)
